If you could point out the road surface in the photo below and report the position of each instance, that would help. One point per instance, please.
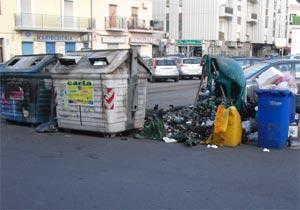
(69, 170)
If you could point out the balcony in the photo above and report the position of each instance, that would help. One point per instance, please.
(115, 23)
(252, 18)
(157, 25)
(226, 12)
(138, 25)
(231, 44)
(40, 22)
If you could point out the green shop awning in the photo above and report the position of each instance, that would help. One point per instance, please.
(191, 42)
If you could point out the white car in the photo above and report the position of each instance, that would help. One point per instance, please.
(191, 67)
(165, 68)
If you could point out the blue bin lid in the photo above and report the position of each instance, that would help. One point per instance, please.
(273, 92)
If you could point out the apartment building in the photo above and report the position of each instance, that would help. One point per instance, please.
(121, 24)
(232, 27)
(59, 26)
(294, 24)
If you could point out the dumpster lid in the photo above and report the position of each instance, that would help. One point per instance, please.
(95, 62)
(27, 63)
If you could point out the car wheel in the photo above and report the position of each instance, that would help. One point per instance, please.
(176, 80)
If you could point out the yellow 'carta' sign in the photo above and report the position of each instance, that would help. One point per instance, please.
(80, 92)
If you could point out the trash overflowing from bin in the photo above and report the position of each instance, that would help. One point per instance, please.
(223, 88)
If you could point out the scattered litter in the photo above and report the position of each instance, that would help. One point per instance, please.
(253, 137)
(48, 127)
(214, 146)
(266, 150)
(169, 140)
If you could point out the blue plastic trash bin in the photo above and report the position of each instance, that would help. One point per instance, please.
(274, 115)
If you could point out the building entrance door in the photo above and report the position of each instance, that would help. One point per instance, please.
(50, 47)
(27, 48)
(70, 47)
(113, 16)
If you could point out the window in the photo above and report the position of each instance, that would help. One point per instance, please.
(167, 3)
(267, 22)
(239, 8)
(239, 20)
(180, 25)
(0, 8)
(180, 3)
(167, 22)
(284, 67)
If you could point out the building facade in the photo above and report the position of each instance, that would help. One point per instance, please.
(59, 26)
(294, 27)
(231, 27)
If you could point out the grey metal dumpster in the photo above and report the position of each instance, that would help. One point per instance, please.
(26, 88)
(101, 91)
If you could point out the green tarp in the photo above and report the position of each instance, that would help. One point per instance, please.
(227, 73)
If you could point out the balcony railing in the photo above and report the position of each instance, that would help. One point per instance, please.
(115, 23)
(25, 21)
(138, 24)
(157, 25)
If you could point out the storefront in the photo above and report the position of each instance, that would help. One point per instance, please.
(114, 42)
(53, 42)
(190, 47)
(144, 43)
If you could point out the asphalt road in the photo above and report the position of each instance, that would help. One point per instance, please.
(87, 171)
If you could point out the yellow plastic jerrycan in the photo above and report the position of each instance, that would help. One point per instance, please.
(227, 127)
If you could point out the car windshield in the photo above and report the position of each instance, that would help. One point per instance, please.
(192, 61)
(166, 62)
(252, 70)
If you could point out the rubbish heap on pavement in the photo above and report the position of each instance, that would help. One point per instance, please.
(223, 83)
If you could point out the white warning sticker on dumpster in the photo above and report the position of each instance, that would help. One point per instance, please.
(80, 92)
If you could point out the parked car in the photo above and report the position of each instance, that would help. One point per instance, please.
(245, 62)
(180, 55)
(190, 67)
(272, 56)
(165, 68)
(292, 57)
(253, 72)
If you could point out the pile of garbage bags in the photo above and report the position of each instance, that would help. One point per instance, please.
(190, 125)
